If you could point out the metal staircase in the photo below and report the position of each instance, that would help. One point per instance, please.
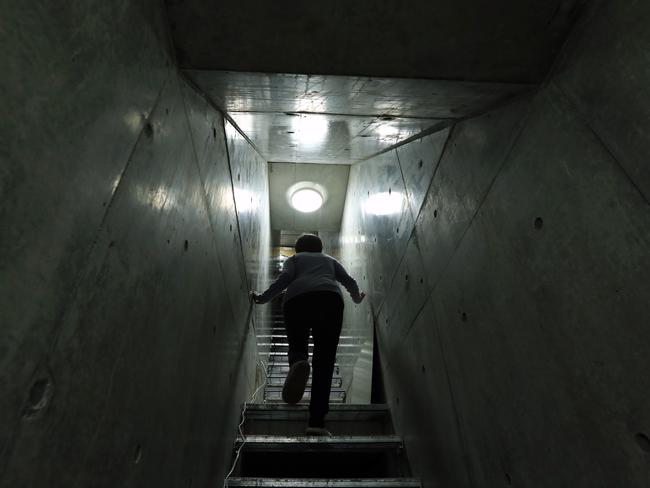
(362, 452)
(272, 338)
(272, 450)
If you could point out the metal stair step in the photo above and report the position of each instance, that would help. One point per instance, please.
(284, 337)
(324, 483)
(338, 354)
(307, 389)
(278, 380)
(271, 443)
(275, 395)
(285, 345)
(282, 367)
(342, 419)
(282, 411)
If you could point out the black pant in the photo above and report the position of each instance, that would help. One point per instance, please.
(322, 312)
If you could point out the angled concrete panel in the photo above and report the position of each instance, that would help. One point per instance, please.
(409, 291)
(606, 74)
(423, 409)
(474, 153)
(149, 339)
(418, 161)
(209, 144)
(77, 89)
(542, 312)
(251, 189)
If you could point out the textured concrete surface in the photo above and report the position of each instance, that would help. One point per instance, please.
(250, 181)
(342, 119)
(325, 138)
(524, 346)
(354, 95)
(506, 40)
(125, 348)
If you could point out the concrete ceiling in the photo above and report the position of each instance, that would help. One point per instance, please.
(332, 178)
(498, 41)
(341, 119)
(349, 95)
(322, 138)
(345, 67)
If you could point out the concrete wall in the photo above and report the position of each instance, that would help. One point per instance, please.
(511, 308)
(125, 345)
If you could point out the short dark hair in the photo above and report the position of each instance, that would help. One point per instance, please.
(309, 243)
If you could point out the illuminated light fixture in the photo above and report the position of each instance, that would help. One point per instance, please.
(385, 203)
(310, 130)
(387, 131)
(306, 200)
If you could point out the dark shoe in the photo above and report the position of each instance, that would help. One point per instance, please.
(318, 431)
(294, 385)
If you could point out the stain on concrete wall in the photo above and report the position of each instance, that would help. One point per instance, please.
(524, 346)
(126, 345)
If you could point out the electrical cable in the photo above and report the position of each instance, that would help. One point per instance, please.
(243, 419)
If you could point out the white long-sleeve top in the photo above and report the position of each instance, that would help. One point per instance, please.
(311, 271)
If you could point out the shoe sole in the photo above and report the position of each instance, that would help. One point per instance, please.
(294, 385)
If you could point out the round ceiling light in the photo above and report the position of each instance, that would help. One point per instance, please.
(306, 200)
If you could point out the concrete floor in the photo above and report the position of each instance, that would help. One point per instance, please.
(507, 272)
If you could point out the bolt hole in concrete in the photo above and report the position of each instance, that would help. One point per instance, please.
(39, 396)
(422, 281)
(420, 164)
(230, 227)
(508, 479)
(406, 277)
(186, 245)
(463, 317)
(238, 177)
(148, 130)
(398, 230)
(111, 244)
(390, 190)
(424, 369)
(214, 133)
(137, 454)
(539, 223)
(643, 441)
(166, 111)
(435, 214)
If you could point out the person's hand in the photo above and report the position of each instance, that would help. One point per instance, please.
(362, 295)
(255, 297)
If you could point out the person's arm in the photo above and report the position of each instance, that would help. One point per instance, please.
(348, 282)
(285, 278)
